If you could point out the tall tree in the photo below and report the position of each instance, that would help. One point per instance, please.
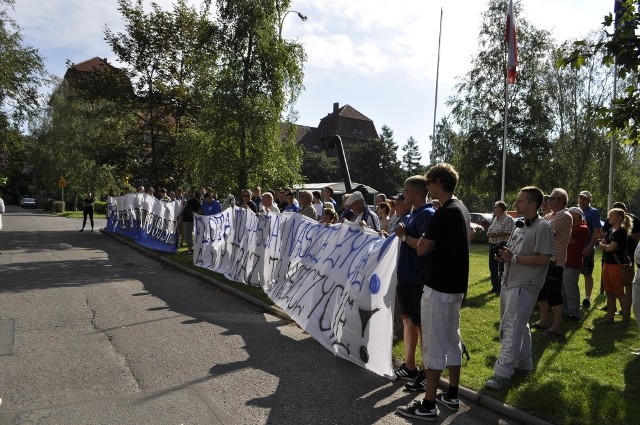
(258, 78)
(21, 74)
(163, 51)
(479, 103)
(412, 157)
(375, 163)
(620, 50)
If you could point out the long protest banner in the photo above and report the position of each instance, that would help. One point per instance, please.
(337, 282)
(151, 222)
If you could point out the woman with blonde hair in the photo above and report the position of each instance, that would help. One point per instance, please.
(614, 247)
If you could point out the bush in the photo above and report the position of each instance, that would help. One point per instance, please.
(100, 207)
(56, 206)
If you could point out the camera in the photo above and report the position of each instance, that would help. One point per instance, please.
(495, 250)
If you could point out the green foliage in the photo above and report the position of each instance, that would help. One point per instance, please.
(619, 49)
(320, 168)
(553, 139)
(411, 158)
(21, 73)
(375, 163)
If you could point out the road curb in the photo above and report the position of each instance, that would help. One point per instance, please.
(469, 394)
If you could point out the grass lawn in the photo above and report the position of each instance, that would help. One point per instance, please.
(587, 377)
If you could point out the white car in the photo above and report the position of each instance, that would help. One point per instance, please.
(28, 203)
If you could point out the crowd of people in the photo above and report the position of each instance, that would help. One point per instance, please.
(536, 257)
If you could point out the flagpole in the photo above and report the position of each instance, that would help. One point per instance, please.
(612, 143)
(504, 138)
(435, 106)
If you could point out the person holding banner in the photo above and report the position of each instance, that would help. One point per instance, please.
(266, 206)
(445, 285)
(410, 271)
(363, 216)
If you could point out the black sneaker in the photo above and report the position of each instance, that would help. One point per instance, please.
(586, 303)
(419, 382)
(403, 372)
(417, 411)
(449, 403)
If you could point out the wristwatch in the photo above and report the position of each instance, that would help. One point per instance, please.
(514, 259)
(403, 238)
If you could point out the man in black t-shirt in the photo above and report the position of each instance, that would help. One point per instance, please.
(447, 241)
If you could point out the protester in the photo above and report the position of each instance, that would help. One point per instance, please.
(446, 283)
(306, 207)
(363, 216)
(573, 266)
(383, 217)
(163, 195)
(247, 202)
(345, 214)
(266, 206)
(631, 243)
(210, 206)
(87, 210)
(411, 270)
(526, 259)
(498, 233)
(329, 216)
(317, 203)
(614, 246)
(592, 218)
(327, 195)
(256, 197)
(400, 211)
(551, 294)
(192, 206)
(291, 203)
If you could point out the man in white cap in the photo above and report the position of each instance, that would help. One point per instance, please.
(592, 218)
(573, 266)
(364, 217)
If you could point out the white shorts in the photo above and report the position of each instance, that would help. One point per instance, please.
(441, 342)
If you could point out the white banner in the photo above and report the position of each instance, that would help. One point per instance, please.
(337, 282)
(149, 221)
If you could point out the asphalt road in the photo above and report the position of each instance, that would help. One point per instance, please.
(92, 332)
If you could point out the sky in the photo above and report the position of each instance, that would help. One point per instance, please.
(378, 56)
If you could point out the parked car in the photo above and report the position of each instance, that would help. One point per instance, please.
(483, 219)
(28, 203)
(480, 223)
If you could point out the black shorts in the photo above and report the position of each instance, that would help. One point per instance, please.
(587, 263)
(552, 289)
(409, 299)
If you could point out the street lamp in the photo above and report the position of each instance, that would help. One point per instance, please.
(301, 15)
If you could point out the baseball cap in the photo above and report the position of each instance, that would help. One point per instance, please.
(398, 197)
(576, 210)
(585, 194)
(355, 196)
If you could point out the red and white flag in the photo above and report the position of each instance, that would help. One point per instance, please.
(512, 47)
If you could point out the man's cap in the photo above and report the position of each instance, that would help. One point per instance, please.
(585, 194)
(398, 197)
(355, 196)
(576, 210)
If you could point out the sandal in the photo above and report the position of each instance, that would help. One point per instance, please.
(537, 326)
